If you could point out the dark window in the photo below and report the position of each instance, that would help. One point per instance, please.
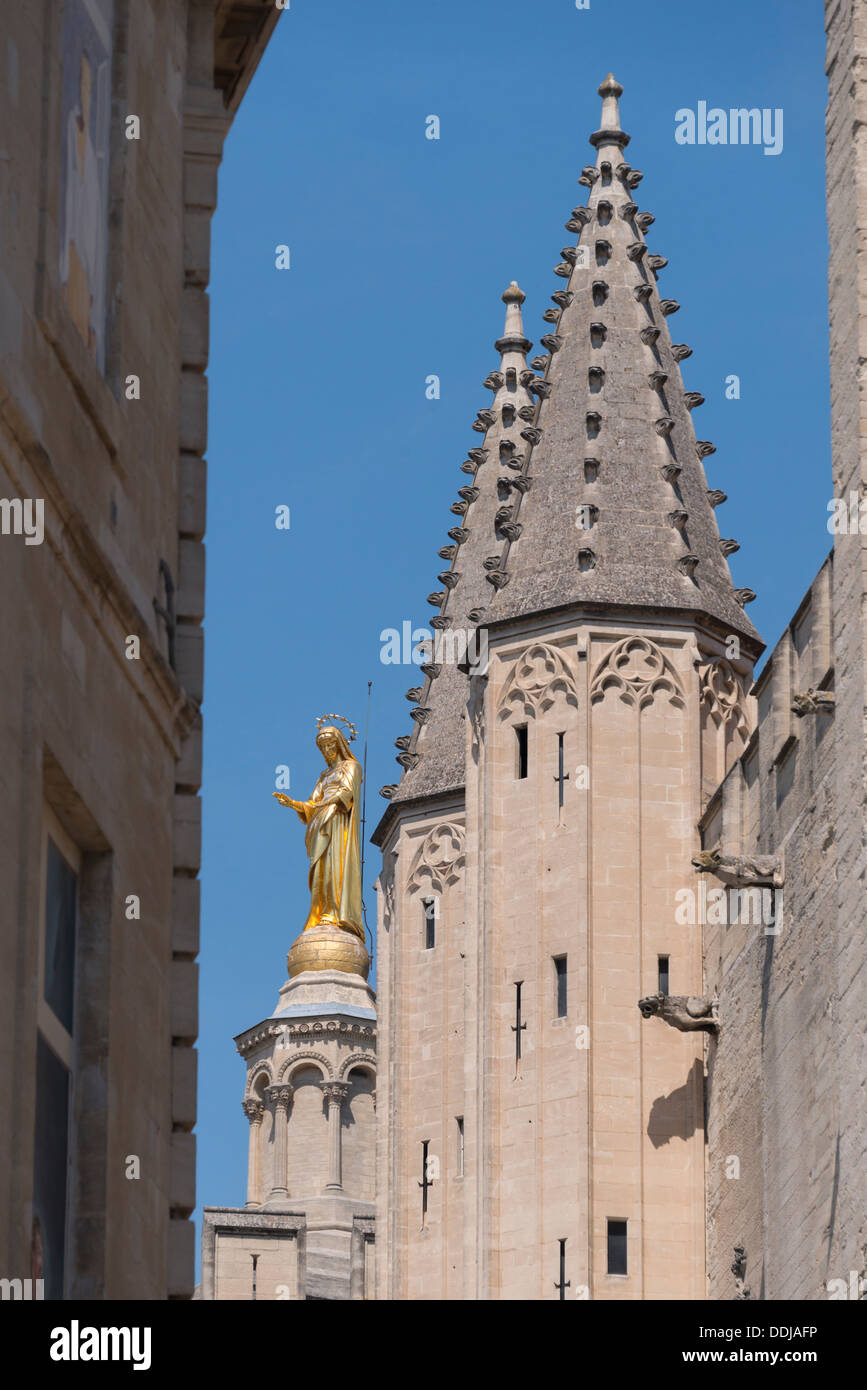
(560, 975)
(521, 736)
(49, 1165)
(616, 1247)
(511, 379)
(459, 1121)
(61, 896)
(430, 918)
(562, 775)
(663, 975)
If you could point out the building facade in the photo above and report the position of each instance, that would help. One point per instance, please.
(114, 116)
(307, 1229)
(621, 964)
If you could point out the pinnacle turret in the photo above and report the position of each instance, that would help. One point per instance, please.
(589, 490)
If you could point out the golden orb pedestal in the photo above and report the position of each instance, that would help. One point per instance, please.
(328, 948)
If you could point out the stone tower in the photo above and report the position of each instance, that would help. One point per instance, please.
(585, 693)
(307, 1228)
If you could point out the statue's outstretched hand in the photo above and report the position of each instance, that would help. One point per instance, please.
(286, 800)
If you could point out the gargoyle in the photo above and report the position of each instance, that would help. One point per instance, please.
(813, 702)
(740, 870)
(686, 1013)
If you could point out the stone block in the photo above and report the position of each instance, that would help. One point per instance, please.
(184, 999)
(192, 480)
(182, 1171)
(187, 839)
(190, 659)
(184, 1075)
(190, 597)
(181, 1259)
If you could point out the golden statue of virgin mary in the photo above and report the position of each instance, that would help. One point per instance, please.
(333, 935)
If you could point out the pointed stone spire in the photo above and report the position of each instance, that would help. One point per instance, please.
(485, 505)
(601, 532)
(591, 487)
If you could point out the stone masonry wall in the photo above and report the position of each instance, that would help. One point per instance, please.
(777, 1079)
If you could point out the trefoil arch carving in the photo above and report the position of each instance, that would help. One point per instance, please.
(536, 680)
(439, 862)
(638, 671)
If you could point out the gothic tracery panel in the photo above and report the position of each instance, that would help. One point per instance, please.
(536, 680)
(440, 858)
(723, 695)
(638, 671)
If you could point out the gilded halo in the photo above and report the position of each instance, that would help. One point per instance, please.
(351, 731)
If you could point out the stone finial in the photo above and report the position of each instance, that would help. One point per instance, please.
(609, 132)
(687, 1013)
(813, 702)
(513, 339)
(514, 294)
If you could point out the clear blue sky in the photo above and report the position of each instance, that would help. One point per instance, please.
(400, 249)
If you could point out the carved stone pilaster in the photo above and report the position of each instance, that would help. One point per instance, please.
(280, 1097)
(254, 1110)
(335, 1093)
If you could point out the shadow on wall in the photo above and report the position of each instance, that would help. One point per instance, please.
(679, 1114)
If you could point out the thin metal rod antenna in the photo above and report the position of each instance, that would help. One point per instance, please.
(364, 813)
